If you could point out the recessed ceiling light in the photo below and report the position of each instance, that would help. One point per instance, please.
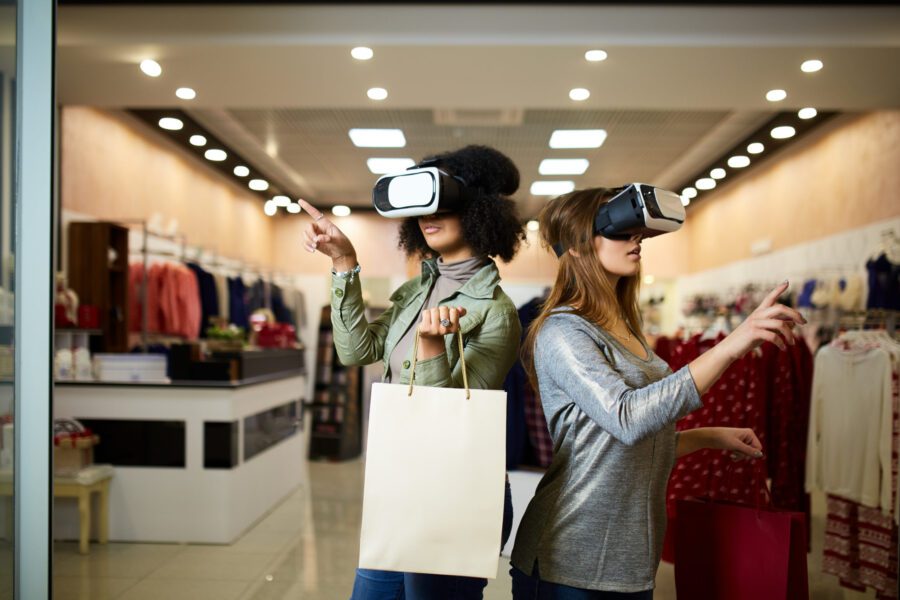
(551, 188)
(293, 208)
(186, 93)
(171, 123)
(377, 93)
(215, 154)
(649, 279)
(717, 173)
(595, 55)
(755, 148)
(198, 140)
(563, 166)
(807, 113)
(577, 138)
(783, 132)
(377, 138)
(270, 208)
(705, 183)
(380, 166)
(362, 53)
(738, 161)
(281, 200)
(776, 95)
(579, 94)
(341, 211)
(685, 200)
(533, 225)
(151, 67)
(259, 185)
(689, 192)
(811, 66)
(241, 171)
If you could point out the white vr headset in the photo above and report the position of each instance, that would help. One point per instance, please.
(637, 208)
(420, 190)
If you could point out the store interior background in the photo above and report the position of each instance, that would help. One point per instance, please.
(278, 86)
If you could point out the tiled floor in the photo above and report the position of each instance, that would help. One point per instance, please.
(306, 548)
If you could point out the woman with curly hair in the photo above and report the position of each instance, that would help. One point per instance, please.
(458, 290)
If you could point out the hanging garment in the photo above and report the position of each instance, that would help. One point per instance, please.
(222, 296)
(884, 284)
(237, 302)
(209, 298)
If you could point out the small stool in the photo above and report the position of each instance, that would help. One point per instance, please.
(80, 485)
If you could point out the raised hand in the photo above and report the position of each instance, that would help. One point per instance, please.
(323, 235)
(770, 322)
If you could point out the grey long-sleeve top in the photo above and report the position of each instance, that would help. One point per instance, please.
(598, 517)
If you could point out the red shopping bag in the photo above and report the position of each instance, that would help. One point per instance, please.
(728, 551)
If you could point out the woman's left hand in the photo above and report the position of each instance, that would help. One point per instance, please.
(435, 324)
(742, 443)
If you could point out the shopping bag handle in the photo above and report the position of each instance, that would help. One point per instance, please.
(462, 360)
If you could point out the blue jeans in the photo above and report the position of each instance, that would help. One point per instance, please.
(391, 585)
(531, 587)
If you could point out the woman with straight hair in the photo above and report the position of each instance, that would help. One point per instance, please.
(594, 529)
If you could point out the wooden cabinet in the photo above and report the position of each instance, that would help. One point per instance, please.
(98, 272)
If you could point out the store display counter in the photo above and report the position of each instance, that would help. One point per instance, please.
(195, 461)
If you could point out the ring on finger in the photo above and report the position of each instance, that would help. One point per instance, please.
(445, 323)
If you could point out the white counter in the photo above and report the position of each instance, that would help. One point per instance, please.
(190, 503)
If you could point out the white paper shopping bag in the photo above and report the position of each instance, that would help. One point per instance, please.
(434, 486)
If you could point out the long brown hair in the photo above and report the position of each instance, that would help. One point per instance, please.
(582, 285)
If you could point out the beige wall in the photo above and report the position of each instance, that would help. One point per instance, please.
(114, 168)
(843, 176)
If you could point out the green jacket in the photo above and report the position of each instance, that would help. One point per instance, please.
(491, 329)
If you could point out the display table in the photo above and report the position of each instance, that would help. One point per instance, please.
(194, 462)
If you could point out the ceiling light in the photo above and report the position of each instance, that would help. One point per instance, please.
(259, 185)
(293, 208)
(533, 225)
(717, 173)
(595, 55)
(577, 138)
(689, 192)
(649, 279)
(685, 200)
(783, 132)
(151, 67)
(755, 148)
(579, 94)
(563, 166)
(380, 166)
(171, 123)
(281, 200)
(186, 93)
(705, 183)
(377, 138)
(362, 53)
(198, 140)
(270, 208)
(241, 171)
(377, 93)
(341, 211)
(215, 154)
(776, 95)
(811, 66)
(739, 161)
(551, 188)
(807, 113)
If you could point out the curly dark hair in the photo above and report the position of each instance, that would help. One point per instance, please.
(490, 220)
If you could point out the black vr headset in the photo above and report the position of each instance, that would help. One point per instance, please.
(420, 190)
(637, 208)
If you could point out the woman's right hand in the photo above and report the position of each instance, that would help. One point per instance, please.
(323, 235)
(770, 322)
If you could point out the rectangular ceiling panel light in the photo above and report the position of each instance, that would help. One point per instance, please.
(577, 138)
(551, 188)
(378, 138)
(380, 166)
(563, 166)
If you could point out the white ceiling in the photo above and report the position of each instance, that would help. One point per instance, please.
(681, 85)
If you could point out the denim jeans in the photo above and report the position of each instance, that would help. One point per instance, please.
(531, 587)
(390, 585)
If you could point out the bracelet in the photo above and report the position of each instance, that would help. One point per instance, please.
(348, 275)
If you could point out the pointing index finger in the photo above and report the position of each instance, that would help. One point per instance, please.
(311, 210)
(776, 293)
